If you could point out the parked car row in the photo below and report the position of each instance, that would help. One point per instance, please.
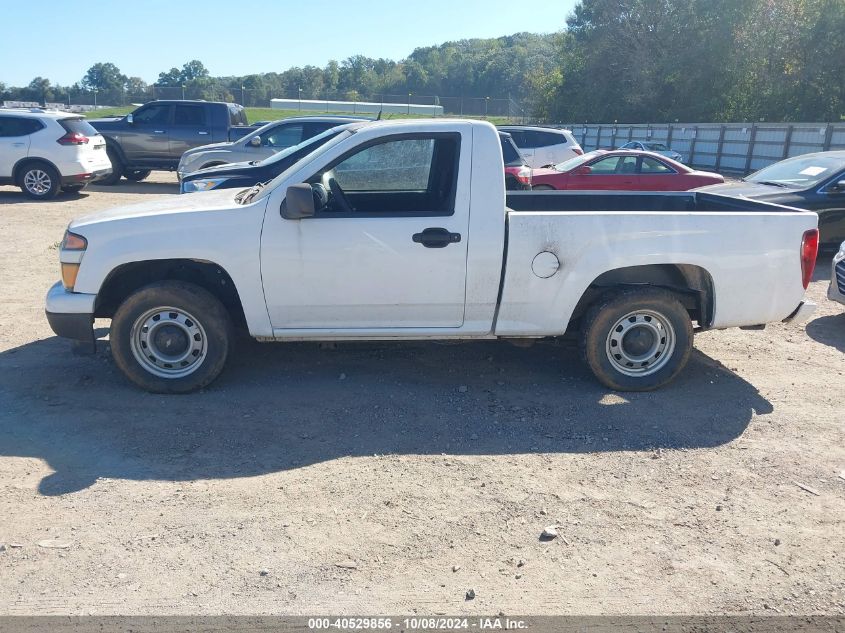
(211, 146)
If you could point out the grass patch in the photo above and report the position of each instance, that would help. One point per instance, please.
(271, 114)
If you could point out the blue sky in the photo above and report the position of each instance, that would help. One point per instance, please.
(236, 37)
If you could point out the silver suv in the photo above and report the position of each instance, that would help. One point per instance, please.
(47, 151)
(261, 144)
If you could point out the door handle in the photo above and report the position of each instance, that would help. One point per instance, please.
(436, 238)
(158, 131)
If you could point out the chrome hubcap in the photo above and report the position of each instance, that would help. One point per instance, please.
(168, 342)
(37, 182)
(640, 343)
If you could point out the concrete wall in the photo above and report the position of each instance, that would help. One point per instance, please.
(356, 107)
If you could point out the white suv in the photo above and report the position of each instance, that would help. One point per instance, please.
(44, 152)
(543, 146)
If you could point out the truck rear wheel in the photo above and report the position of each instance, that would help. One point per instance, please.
(171, 337)
(637, 340)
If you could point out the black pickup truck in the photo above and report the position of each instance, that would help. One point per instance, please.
(155, 135)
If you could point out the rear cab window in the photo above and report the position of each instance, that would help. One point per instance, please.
(237, 115)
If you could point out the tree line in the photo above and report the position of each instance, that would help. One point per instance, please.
(641, 61)
(632, 61)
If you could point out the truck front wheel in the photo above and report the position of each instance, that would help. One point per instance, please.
(637, 340)
(171, 337)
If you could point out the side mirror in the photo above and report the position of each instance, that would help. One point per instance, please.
(298, 202)
(130, 119)
(583, 170)
(255, 141)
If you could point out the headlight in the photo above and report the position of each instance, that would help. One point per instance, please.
(841, 253)
(203, 184)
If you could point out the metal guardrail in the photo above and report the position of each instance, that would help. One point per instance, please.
(729, 147)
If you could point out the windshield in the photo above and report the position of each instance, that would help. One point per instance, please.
(800, 172)
(572, 163)
(345, 133)
(314, 142)
(656, 147)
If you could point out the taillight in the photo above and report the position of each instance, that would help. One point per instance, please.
(578, 151)
(809, 252)
(73, 138)
(524, 175)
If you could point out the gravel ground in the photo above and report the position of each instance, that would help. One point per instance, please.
(392, 478)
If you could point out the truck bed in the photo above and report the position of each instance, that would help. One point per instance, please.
(746, 252)
(634, 201)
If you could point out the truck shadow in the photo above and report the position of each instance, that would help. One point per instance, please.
(828, 330)
(281, 407)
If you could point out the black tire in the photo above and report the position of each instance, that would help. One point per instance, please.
(197, 313)
(39, 181)
(137, 175)
(116, 168)
(543, 188)
(73, 189)
(660, 332)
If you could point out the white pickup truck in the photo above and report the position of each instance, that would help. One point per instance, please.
(401, 230)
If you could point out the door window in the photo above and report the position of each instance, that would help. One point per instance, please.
(189, 116)
(605, 165)
(654, 166)
(282, 136)
(13, 126)
(407, 176)
(152, 115)
(544, 139)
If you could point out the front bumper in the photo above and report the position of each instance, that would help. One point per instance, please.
(71, 315)
(803, 312)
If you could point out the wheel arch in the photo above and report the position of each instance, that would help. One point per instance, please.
(16, 170)
(129, 277)
(112, 143)
(691, 283)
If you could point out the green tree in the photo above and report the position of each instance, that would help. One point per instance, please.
(104, 77)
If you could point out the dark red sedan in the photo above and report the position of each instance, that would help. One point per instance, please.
(622, 170)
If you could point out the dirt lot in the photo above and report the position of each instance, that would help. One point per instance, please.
(388, 478)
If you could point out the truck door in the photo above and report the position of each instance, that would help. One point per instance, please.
(147, 139)
(389, 249)
(191, 128)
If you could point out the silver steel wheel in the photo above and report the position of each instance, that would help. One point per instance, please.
(37, 182)
(640, 343)
(168, 342)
